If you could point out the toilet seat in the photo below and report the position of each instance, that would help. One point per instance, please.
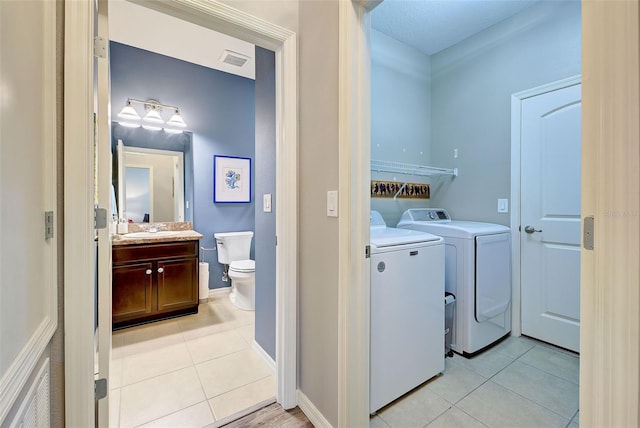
(243, 266)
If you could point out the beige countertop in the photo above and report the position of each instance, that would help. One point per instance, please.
(181, 233)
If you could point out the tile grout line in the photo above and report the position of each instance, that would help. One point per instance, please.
(552, 374)
(573, 417)
(467, 394)
(127, 341)
(241, 386)
(525, 398)
(531, 401)
(169, 414)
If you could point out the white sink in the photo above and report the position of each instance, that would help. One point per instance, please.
(158, 234)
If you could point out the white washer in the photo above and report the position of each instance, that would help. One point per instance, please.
(407, 310)
(477, 272)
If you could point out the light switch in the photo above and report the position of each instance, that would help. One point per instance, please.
(266, 203)
(332, 203)
(503, 205)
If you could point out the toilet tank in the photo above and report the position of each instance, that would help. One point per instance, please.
(233, 246)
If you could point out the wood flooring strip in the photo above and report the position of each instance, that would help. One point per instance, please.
(273, 416)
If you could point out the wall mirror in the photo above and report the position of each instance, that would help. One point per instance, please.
(152, 175)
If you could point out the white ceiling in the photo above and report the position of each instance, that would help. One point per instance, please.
(427, 25)
(433, 25)
(144, 28)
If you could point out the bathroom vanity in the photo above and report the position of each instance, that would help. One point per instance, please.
(154, 277)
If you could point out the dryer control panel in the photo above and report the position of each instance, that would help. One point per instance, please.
(426, 214)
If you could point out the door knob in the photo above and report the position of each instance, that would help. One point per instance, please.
(531, 229)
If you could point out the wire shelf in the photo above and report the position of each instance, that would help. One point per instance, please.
(409, 169)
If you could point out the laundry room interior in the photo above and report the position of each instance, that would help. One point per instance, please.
(451, 87)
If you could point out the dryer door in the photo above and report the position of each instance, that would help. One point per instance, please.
(493, 275)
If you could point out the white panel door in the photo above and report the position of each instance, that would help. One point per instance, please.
(550, 216)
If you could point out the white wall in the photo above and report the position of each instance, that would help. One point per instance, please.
(471, 87)
(280, 12)
(400, 115)
(28, 305)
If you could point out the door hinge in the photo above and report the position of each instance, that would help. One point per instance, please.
(587, 236)
(99, 47)
(100, 388)
(367, 251)
(100, 218)
(48, 224)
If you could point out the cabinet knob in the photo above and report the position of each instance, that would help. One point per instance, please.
(160, 270)
(148, 271)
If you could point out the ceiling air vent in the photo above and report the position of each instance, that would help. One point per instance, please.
(234, 58)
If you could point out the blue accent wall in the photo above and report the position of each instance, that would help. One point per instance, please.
(265, 237)
(219, 109)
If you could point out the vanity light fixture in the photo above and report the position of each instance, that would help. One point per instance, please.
(176, 120)
(153, 112)
(152, 127)
(131, 118)
(128, 112)
(152, 120)
(172, 131)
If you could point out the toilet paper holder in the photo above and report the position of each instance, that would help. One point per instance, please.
(202, 249)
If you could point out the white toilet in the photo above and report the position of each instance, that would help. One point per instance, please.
(234, 250)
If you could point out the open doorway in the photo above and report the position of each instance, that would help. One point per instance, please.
(282, 42)
(448, 106)
(231, 366)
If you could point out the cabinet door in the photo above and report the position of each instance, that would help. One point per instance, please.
(132, 291)
(177, 285)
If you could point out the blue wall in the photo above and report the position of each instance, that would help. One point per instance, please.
(219, 109)
(265, 238)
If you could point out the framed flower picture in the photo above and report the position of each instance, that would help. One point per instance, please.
(231, 179)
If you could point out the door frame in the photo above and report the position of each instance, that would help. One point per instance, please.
(609, 274)
(516, 122)
(78, 77)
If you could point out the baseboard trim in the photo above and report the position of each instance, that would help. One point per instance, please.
(265, 356)
(216, 292)
(312, 412)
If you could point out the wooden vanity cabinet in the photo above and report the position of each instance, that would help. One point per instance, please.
(154, 281)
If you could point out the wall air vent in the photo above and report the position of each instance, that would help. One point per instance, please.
(234, 58)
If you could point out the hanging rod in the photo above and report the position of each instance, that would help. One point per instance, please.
(409, 169)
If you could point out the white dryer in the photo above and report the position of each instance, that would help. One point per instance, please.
(407, 310)
(477, 272)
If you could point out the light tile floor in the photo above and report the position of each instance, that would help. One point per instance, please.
(190, 371)
(519, 383)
